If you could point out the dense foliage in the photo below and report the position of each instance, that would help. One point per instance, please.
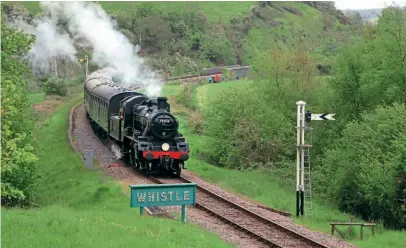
(18, 171)
(358, 159)
(182, 38)
(359, 172)
(362, 171)
(183, 42)
(55, 85)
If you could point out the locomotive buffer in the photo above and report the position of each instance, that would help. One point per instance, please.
(303, 172)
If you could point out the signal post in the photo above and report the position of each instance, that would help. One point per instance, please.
(303, 183)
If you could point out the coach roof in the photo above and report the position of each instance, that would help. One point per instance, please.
(105, 88)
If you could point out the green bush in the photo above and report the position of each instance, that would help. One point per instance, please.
(19, 174)
(246, 129)
(56, 86)
(185, 95)
(361, 172)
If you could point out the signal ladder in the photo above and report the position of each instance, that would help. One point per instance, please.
(307, 181)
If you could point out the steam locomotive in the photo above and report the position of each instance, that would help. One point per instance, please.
(143, 127)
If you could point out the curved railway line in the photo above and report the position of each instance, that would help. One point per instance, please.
(246, 227)
(264, 230)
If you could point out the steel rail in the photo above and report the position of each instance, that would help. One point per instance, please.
(285, 230)
(228, 221)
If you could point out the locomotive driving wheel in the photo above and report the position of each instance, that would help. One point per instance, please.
(147, 168)
(131, 159)
(178, 169)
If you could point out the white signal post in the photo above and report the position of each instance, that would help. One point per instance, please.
(300, 156)
(302, 117)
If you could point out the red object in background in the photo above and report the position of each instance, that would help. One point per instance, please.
(217, 78)
(113, 165)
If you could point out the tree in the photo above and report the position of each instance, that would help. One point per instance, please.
(216, 47)
(18, 170)
(391, 43)
(362, 172)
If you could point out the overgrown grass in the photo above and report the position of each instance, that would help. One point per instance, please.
(215, 11)
(207, 92)
(81, 208)
(269, 188)
(36, 97)
(58, 226)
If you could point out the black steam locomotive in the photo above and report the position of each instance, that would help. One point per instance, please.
(144, 129)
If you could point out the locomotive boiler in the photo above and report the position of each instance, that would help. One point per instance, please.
(143, 127)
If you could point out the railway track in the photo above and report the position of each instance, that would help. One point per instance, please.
(242, 229)
(268, 232)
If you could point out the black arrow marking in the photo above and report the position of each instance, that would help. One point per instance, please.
(323, 116)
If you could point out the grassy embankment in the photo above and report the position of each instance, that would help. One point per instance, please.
(266, 188)
(81, 208)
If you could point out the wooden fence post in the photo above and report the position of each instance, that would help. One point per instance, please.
(350, 227)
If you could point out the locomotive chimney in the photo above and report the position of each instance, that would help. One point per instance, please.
(162, 102)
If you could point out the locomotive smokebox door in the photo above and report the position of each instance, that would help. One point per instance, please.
(88, 157)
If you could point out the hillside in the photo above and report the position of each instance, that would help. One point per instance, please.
(193, 35)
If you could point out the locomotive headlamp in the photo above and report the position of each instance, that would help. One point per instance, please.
(165, 146)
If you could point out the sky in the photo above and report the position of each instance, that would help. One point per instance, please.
(365, 4)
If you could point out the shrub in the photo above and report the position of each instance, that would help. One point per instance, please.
(55, 85)
(195, 121)
(19, 174)
(185, 95)
(359, 173)
(246, 129)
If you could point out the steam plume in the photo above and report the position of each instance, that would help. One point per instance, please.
(116, 150)
(87, 21)
(50, 43)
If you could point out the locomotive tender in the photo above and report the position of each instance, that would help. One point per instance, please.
(143, 127)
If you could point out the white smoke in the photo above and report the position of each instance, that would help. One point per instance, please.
(116, 150)
(89, 22)
(50, 43)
